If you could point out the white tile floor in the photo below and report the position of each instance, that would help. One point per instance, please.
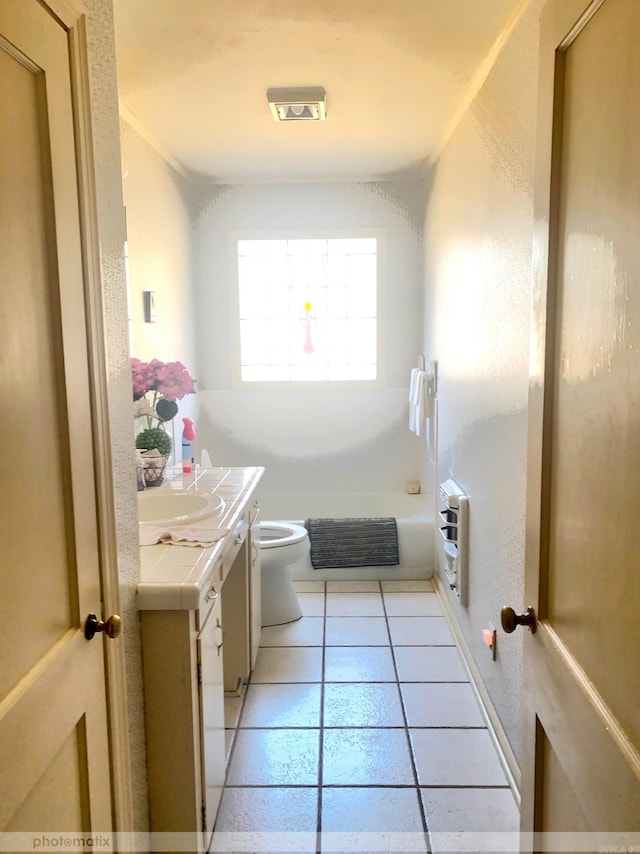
(360, 732)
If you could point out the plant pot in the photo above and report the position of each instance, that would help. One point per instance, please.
(154, 470)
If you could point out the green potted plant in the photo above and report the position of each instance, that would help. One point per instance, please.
(156, 388)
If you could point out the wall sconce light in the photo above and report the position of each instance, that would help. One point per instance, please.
(298, 105)
(149, 299)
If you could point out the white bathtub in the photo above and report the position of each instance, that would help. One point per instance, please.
(415, 529)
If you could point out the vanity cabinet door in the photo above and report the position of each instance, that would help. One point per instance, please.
(212, 733)
(235, 611)
(255, 588)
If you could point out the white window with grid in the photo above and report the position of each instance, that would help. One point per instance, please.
(308, 307)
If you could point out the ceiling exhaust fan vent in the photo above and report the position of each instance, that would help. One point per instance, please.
(298, 105)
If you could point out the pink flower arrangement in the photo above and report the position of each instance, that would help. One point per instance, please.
(169, 381)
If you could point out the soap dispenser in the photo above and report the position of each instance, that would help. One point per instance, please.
(188, 436)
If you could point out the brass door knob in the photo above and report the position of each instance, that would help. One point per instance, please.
(510, 620)
(110, 627)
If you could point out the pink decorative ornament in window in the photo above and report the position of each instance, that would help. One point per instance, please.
(308, 320)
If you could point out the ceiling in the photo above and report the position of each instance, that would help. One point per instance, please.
(194, 75)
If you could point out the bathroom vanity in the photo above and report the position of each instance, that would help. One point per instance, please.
(200, 625)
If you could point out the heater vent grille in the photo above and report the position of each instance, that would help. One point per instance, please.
(454, 513)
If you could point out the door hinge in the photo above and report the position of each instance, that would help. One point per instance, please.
(204, 818)
(199, 674)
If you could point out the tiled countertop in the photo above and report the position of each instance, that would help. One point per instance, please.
(173, 577)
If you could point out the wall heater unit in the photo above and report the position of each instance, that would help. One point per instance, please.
(454, 513)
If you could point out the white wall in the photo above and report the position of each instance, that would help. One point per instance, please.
(478, 280)
(327, 440)
(159, 236)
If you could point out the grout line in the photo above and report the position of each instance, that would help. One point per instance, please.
(321, 734)
(363, 681)
(414, 769)
(367, 786)
(380, 617)
(362, 726)
(482, 786)
(350, 645)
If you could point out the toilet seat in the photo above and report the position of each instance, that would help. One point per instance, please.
(278, 534)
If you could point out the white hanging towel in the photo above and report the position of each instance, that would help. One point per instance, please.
(419, 401)
(412, 392)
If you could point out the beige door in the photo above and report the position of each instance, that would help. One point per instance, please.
(581, 748)
(54, 757)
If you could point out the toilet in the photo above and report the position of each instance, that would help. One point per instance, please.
(282, 545)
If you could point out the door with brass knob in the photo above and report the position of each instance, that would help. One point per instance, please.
(54, 729)
(580, 753)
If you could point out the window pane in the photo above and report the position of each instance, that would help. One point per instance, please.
(251, 299)
(309, 373)
(361, 299)
(337, 277)
(307, 271)
(252, 341)
(361, 346)
(337, 302)
(308, 309)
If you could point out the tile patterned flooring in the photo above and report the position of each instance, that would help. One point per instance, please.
(359, 731)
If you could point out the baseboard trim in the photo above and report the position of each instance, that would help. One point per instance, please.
(496, 730)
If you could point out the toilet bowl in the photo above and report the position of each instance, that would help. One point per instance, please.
(282, 545)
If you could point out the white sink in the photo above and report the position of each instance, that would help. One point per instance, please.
(173, 506)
